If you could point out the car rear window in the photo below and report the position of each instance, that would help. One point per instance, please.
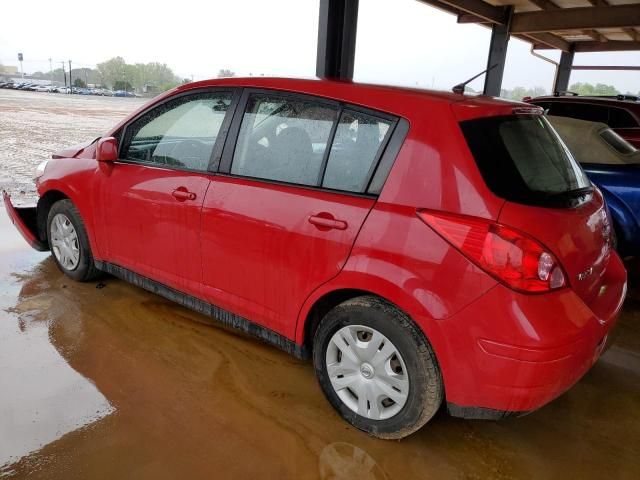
(522, 159)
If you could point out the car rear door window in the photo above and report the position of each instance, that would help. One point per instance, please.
(580, 111)
(620, 118)
(354, 151)
(180, 133)
(283, 138)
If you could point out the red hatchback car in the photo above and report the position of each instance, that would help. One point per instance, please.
(421, 247)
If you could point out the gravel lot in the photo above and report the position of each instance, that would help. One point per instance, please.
(33, 125)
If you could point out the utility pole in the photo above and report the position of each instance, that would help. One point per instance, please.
(20, 60)
(86, 79)
(64, 74)
(51, 71)
(70, 83)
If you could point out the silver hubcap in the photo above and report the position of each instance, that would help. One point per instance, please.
(367, 372)
(64, 242)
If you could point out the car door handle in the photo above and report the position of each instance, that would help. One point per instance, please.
(327, 221)
(183, 194)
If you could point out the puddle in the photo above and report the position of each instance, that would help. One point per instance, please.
(115, 382)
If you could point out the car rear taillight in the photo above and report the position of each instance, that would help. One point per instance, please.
(512, 257)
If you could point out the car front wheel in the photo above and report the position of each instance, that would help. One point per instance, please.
(69, 243)
(376, 368)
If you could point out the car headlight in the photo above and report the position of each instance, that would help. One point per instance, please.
(41, 168)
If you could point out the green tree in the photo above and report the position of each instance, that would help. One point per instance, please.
(112, 70)
(156, 75)
(590, 89)
(122, 85)
(518, 93)
(78, 82)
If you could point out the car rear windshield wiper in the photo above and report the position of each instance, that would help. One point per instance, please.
(578, 192)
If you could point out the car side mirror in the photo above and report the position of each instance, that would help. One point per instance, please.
(107, 150)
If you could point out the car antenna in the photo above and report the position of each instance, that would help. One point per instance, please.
(459, 88)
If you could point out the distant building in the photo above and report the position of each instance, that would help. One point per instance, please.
(8, 70)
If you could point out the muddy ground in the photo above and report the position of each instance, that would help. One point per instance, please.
(33, 125)
(103, 380)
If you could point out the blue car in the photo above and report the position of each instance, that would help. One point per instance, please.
(612, 164)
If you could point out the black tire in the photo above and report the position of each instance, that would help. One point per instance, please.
(85, 270)
(425, 380)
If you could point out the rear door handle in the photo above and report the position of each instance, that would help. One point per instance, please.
(183, 194)
(327, 221)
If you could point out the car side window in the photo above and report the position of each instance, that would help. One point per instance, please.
(580, 111)
(180, 133)
(283, 138)
(355, 149)
(620, 118)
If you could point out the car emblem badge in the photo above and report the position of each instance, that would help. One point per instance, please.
(585, 274)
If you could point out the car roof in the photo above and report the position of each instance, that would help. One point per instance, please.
(588, 98)
(386, 97)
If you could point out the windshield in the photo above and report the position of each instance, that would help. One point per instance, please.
(522, 159)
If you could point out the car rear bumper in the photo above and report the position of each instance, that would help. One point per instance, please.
(508, 353)
(25, 220)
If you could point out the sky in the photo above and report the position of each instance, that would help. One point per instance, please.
(400, 42)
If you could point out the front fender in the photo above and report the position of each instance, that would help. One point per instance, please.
(75, 179)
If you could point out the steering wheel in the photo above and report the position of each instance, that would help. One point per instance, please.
(189, 153)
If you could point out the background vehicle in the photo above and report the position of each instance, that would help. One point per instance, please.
(123, 93)
(621, 113)
(333, 219)
(43, 88)
(613, 165)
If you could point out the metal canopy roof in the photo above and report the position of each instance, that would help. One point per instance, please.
(567, 25)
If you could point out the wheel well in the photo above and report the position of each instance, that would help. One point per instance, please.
(322, 306)
(44, 205)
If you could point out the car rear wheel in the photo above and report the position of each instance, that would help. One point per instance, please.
(69, 243)
(376, 368)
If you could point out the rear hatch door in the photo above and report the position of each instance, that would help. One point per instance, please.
(548, 196)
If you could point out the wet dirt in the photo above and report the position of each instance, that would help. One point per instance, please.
(33, 125)
(115, 382)
(106, 381)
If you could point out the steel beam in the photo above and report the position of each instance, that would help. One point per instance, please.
(497, 57)
(612, 16)
(337, 27)
(610, 46)
(478, 8)
(561, 82)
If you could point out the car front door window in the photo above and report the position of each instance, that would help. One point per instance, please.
(178, 134)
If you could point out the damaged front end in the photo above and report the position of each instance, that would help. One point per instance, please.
(25, 220)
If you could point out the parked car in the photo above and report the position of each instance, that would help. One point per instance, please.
(621, 113)
(43, 88)
(420, 247)
(613, 164)
(123, 93)
(62, 90)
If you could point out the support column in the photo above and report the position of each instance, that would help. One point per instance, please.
(497, 55)
(561, 82)
(337, 39)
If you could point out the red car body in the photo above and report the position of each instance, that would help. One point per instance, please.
(271, 258)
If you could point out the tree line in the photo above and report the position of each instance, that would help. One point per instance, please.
(581, 88)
